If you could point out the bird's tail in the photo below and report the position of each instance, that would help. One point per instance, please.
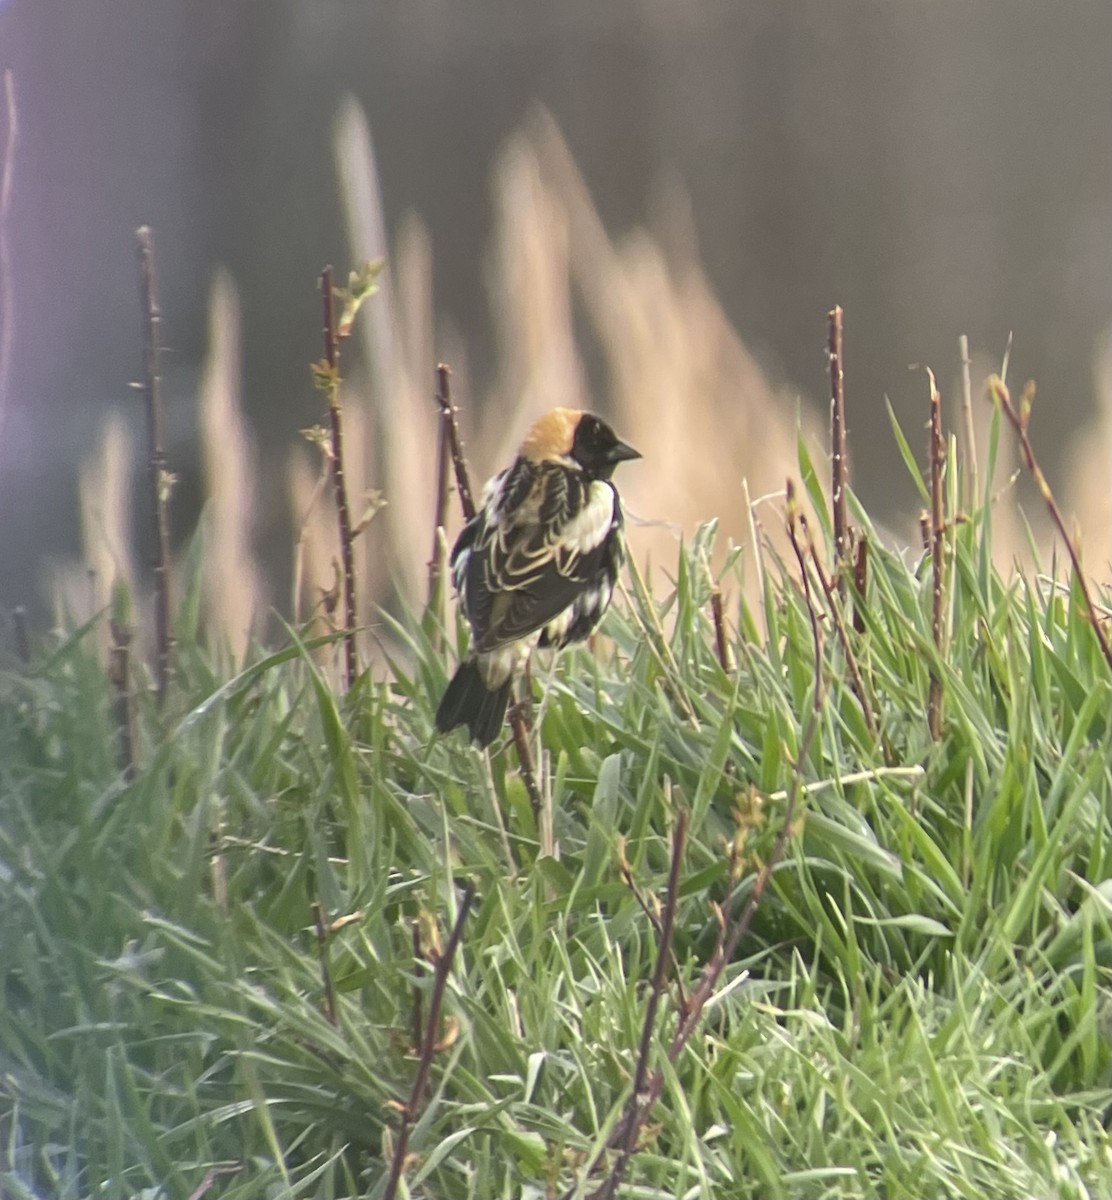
(468, 701)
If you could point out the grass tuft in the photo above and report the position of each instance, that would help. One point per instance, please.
(230, 971)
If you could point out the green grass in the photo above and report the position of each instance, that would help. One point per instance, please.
(922, 1007)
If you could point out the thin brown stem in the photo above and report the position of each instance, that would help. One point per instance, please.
(343, 511)
(459, 460)
(159, 480)
(653, 918)
(7, 291)
(937, 539)
(729, 942)
(325, 969)
(860, 583)
(427, 1046)
(839, 464)
(440, 514)
(833, 606)
(519, 726)
(812, 611)
(635, 1113)
(418, 1004)
(721, 642)
(1018, 421)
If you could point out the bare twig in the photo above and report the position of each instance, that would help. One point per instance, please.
(801, 558)
(325, 969)
(728, 943)
(418, 1003)
(937, 535)
(159, 479)
(459, 460)
(428, 1045)
(651, 913)
(440, 515)
(833, 605)
(635, 1114)
(343, 511)
(520, 729)
(7, 291)
(839, 464)
(860, 583)
(972, 485)
(721, 642)
(1018, 420)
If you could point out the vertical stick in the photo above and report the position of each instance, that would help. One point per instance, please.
(343, 512)
(721, 642)
(839, 466)
(158, 477)
(860, 583)
(459, 462)
(440, 514)
(520, 729)
(418, 969)
(857, 681)
(1018, 419)
(426, 1046)
(937, 534)
(635, 1115)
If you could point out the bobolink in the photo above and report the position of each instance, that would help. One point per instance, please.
(536, 566)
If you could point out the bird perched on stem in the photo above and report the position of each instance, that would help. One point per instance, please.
(536, 566)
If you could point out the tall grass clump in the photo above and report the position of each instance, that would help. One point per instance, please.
(220, 973)
(809, 891)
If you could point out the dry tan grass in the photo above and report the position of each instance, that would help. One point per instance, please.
(679, 384)
(233, 592)
(1089, 494)
(82, 589)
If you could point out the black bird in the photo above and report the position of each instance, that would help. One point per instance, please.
(536, 566)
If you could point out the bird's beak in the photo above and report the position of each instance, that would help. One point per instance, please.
(622, 453)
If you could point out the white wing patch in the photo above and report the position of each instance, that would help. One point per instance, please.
(492, 493)
(587, 529)
(591, 604)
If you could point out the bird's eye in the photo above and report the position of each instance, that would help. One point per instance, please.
(592, 439)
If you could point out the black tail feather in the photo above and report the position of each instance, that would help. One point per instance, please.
(468, 701)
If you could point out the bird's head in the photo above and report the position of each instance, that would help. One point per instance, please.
(579, 437)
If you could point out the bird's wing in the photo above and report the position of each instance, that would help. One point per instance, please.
(520, 574)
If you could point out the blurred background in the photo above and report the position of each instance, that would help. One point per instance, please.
(642, 206)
